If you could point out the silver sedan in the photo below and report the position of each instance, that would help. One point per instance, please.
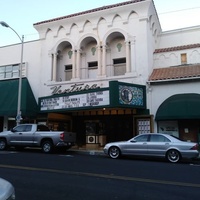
(154, 145)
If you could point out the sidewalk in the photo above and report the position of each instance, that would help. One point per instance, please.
(87, 151)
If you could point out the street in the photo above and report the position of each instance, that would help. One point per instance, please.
(37, 176)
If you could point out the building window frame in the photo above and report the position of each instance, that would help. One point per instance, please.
(93, 65)
(183, 58)
(119, 66)
(68, 72)
(9, 71)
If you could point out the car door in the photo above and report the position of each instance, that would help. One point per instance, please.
(158, 145)
(22, 135)
(27, 136)
(137, 145)
(15, 137)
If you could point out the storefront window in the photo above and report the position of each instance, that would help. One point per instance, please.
(168, 127)
(143, 126)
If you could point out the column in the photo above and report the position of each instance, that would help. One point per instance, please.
(128, 68)
(133, 55)
(78, 63)
(104, 60)
(54, 66)
(74, 64)
(99, 60)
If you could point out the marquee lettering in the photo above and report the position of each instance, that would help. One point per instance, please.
(73, 88)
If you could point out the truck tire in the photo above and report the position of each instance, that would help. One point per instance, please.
(3, 144)
(47, 146)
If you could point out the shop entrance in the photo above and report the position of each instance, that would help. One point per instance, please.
(189, 130)
(100, 130)
(185, 129)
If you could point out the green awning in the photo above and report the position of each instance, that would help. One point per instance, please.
(180, 106)
(9, 98)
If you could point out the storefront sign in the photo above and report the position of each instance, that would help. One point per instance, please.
(131, 95)
(73, 88)
(93, 99)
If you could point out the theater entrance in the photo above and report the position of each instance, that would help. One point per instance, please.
(96, 131)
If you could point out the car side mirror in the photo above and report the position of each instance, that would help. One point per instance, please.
(12, 130)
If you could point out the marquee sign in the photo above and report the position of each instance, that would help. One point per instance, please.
(84, 96)
(93, 99)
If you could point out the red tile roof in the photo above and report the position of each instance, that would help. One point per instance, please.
(177, 48)
(178, 72)
(90, 11)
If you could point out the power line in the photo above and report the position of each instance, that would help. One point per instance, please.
(187, 9)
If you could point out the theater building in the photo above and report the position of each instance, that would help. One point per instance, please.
(108, 74)
(93, 72)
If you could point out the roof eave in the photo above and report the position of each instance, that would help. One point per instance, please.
(172, 80)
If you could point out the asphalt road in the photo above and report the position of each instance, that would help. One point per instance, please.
(72, 176)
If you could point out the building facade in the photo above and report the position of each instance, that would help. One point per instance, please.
(175, 78)
(108, 74)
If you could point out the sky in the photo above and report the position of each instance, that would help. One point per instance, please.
(22, 14)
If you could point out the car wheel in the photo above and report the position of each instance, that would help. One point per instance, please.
(47, 146)
(173, 156)
(3, 144)
(114, 152)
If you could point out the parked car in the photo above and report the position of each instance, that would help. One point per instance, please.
(154, 145)
(7, 191)
(36, 135)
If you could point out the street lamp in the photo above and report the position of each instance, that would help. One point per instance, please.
(18, 117)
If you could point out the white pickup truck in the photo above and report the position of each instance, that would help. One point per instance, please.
(36, 135)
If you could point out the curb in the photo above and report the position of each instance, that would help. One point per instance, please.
(87, 152)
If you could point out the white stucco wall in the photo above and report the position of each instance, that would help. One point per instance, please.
(173, 58)
(11, 54)
(179, 37)
(137, 23)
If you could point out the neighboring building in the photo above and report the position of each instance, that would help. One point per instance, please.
(173, 86)
(107, 74)
(9, 73)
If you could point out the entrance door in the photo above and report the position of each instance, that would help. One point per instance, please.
(92, 132)
(189, 130)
